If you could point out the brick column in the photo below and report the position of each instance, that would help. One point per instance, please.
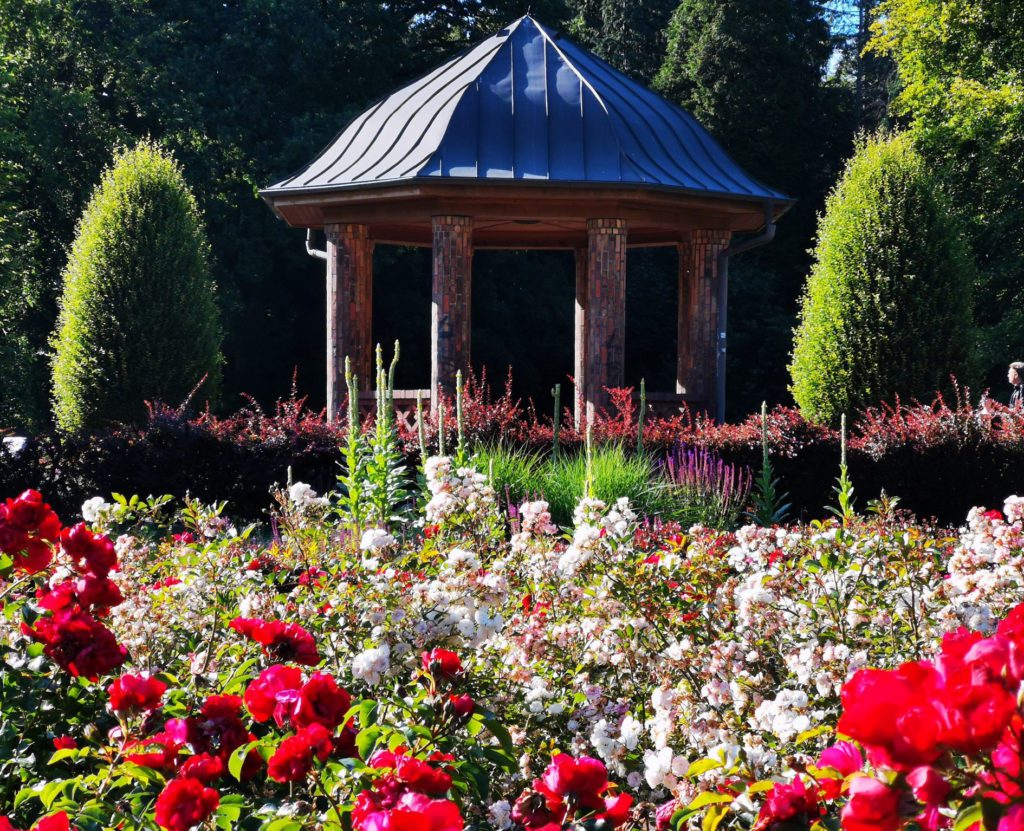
(579, 370)
(451, 306)
(349, 309)
(698, 316)
(605, 313)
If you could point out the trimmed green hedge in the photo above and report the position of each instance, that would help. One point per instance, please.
(887, 307)
(138, 319)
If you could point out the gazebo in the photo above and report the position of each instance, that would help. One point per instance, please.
(528, 141)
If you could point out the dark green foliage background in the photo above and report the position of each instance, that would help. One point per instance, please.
(245, 91)
(138, 319)
(887, 310)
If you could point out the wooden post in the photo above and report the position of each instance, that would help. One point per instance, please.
(349, 309)
(580, 336)
(451, 306)
(605, 313)
(698, 316)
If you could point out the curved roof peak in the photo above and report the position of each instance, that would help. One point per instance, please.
(526, 104)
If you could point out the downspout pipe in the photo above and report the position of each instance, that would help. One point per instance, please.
(765, 237)
(313, 252)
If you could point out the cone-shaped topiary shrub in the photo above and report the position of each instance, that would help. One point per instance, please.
(887, 307)
(138, 319)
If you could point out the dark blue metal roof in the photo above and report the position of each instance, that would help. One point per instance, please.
(526, 104)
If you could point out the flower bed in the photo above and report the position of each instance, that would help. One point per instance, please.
(456, 668)
(939, 458)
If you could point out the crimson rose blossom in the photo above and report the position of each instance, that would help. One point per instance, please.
(320, 701)
(28, 530)
(280, 640)
(136, 693)
(89, 553)
(54, 822)
(159, 752)
(789, 802)
(409, 812)
(78, 643)
(873, 806)
(410, 772)
(263, 696)
(845, 759)
(293, 758)
(571, 788)
(184, 803)
(442, 663)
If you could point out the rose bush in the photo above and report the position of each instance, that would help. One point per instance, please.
(459, 668)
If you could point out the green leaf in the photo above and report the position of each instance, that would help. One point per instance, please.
(366, 740)
(713, 818)
(237, 759)
(710, 798)
(283, 824)
(64, 753)
(969, 816)
(813, 733)
(703, 766)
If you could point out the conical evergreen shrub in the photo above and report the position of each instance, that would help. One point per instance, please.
(138, 321)
(887, 307)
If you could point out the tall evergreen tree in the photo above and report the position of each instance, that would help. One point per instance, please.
(960, 64)
(752, 72)
(629, 34)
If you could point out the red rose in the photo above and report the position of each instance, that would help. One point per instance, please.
(204, 767)
(442, 663)
(873, 806)
(896, 715)
(616, 809)
(98, 594)
(789, 802)
(33, 556)
(406, 812)
(184, 803)
(581, 780)
(293, 758)
(1014, 819)
(412, 773)
(159, 752)
(136, 693)
(416, 812)
(1012, 626)
(281, 641)
(30, 514)
(90, 553)
(320, 701)
(462, 705)
(64, 743)
(262, 694)
(845, 759)
(78, 643)
(531, 811)
(54, 822)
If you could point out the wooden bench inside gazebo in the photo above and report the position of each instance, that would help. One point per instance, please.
(527, 141)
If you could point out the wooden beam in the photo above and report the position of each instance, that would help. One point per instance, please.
(698, 316)
(451, 306)
(605, 314)
(349, 309)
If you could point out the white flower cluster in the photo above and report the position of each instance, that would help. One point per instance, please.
(93, 510)
(302, 496)
(372, 664)
(453, 492)
(534, 526)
